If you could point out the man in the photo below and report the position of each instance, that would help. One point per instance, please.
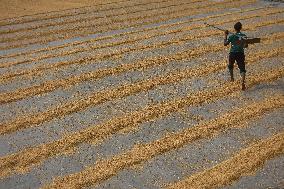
(237, 54)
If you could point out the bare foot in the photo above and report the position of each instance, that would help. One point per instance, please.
(243, 86)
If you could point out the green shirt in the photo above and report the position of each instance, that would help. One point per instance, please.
(236, 40)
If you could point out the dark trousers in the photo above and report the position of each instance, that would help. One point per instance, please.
(238, 57)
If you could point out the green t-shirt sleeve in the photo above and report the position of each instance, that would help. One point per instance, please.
(230, 38)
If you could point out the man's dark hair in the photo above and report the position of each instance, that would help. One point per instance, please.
(238, 26)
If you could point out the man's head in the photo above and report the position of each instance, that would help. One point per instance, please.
(238, 26)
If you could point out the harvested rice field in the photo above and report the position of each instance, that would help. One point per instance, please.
(128, 94)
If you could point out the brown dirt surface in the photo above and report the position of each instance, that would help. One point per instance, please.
(16, 8)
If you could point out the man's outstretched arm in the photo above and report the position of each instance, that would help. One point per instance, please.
(226, 42)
